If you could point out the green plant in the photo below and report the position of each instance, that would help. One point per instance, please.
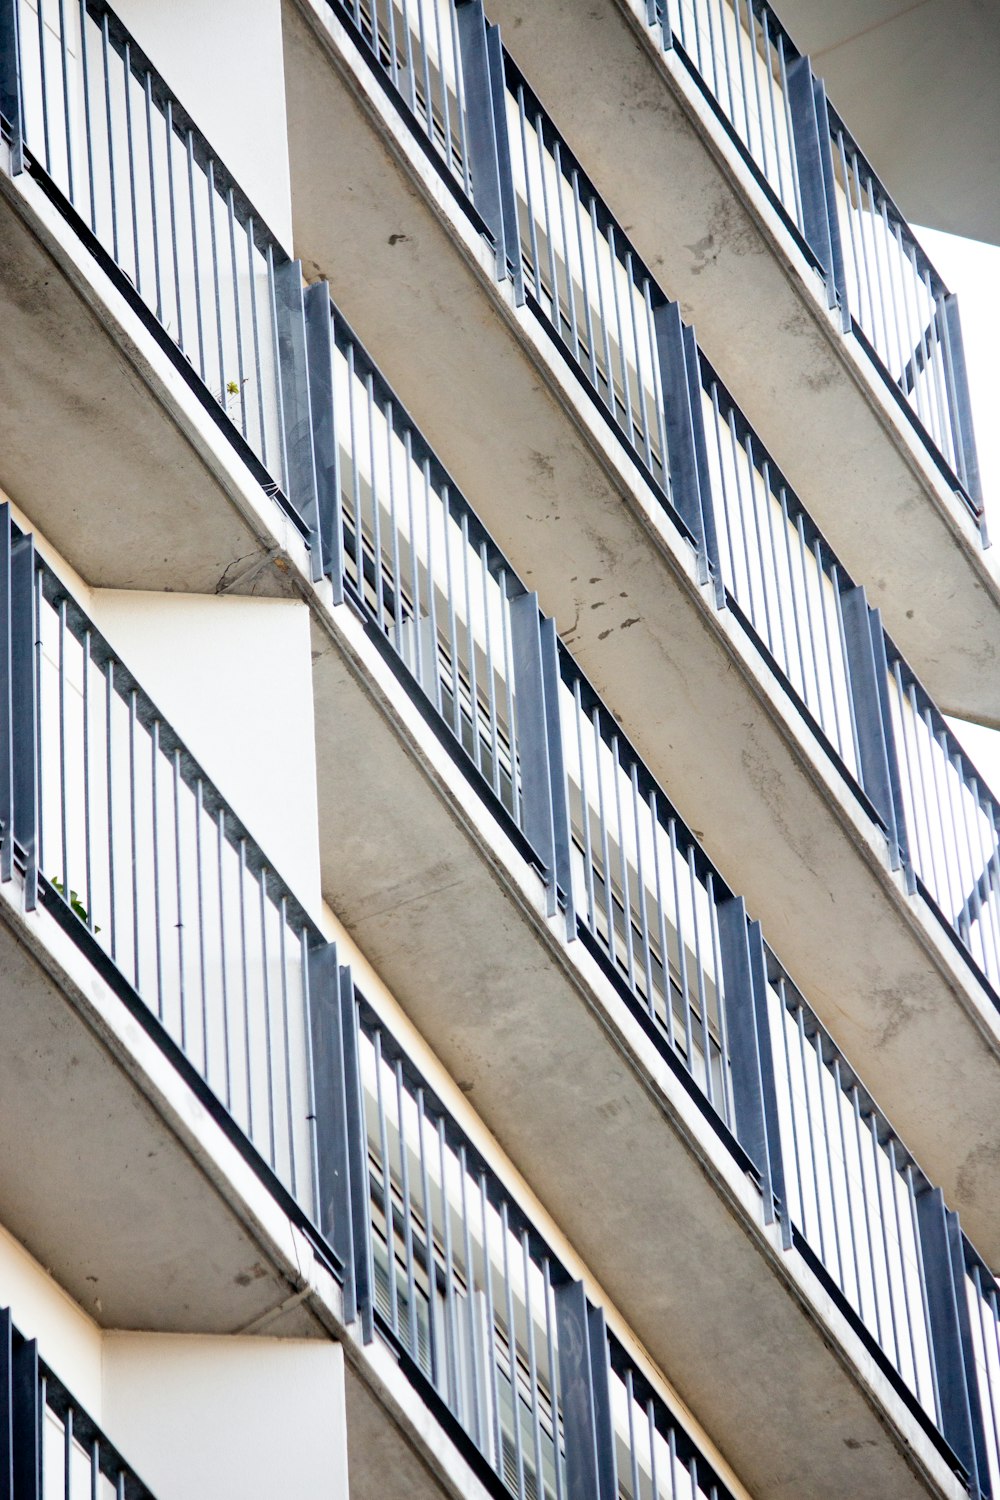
(76, 905)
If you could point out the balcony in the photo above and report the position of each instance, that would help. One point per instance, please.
(173, 904)
(809, 291)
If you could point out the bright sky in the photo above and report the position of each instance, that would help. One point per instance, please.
(972, 269)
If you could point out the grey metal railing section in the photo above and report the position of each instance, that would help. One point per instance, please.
(448, 1267)
(743, 54)
(115, 816)
(417, 560)
(890, 296)
(850, 1185)
(109, 137)
(585, 277)
(643, 889)
(778, 570)
(982, 1352)
(951, 817)
(49, 1444)
(417, 44)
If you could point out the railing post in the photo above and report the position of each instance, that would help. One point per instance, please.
(545, 815)
(6, 1406)
(326, 453)
(961, 406)
(18, 708)
(11, 95)
(687, 459)
(817, 188)
(755, 1094)
(586, 1396)
(489, 142)
(864, 640)
(27, 1418)
(296, 415)
(341, 1142)
(951, 1336)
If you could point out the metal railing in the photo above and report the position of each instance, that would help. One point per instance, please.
(122, 153)
(951, 818)
(742, 53)
(51, 1445)
(419, 563)
(850, 1185)
(585, 277)
(122, 824)
(778, 570)
(889, 293)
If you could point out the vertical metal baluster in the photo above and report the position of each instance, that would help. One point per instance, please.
(359, 557)
(727, 1110)
(630, 1405)
(894, 1175)
(789, 529)
(877, 1158)
(179, 893)
(907, 731)
(445, 110)
(603, 825)
(768, 505)
(640, 880)
(67, 1452)
(255, 326)
(784, 1020)
(130, 142)
(543, 177)
(803, 554)
(283, 925)
(109, 697)
(453, 649)
(430, 1261)
(681, 947)
(570, 288)
(64, 65)
(738, 43)
(428, 101)
(752, 484)
(414, 563)
(588, 850)
(940, 402)
(112, 192)
(388, 1207)
(810, 1130)
(491, 688)
(434, 666)
(512, 1355)
(168, 138)
(508, 672)
(529, 1317)
(88, 871)
(755, 70)
(223, 960)
(451, 1320)
(706, 1036)
(588, 311)
(824, 610)
(133, 837)
(536, 269)
(268, 1041)
(63, 813)
(659, 396)
(237, 311)
(157, 921)
(43, 79)
(245, 985)
(148, 96)
(480, 1436)
(617, 269)
(404, 1182)
(471, 647)
(397, 581)
(661, 906)
(865, 282)
(728, 557)
(866, 1200)
(491, 1319)
(379, 580)
(737, 455)
(595, 243)
(196, 279)
(211, 199)
(199, 813)
(821, 1087)
(616, 777)
(848, 1188)
(792, 155)
(87, 119)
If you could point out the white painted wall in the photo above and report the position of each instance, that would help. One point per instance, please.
(223, 60)
(67, 1339)
(202, 1417)
(233, 676)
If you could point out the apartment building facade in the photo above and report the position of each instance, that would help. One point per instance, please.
(501, 945)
